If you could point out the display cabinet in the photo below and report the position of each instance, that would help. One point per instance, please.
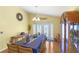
(70, 32)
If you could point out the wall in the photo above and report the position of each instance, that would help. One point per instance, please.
(9, 25)
(51, 19)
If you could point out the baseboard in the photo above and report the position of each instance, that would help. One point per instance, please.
(3, 49)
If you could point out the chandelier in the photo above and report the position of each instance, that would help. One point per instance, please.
(36, 17)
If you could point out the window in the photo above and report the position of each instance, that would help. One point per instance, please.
(37, 28)
(45, 28)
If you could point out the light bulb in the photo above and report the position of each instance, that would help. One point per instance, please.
(34, 19)
(38, 19)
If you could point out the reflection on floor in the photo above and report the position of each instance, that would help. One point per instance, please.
(51, 47)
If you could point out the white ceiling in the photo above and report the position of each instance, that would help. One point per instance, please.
(49, 10)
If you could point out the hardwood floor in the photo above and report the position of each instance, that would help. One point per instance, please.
(51, 47)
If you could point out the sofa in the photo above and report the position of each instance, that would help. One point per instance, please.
(23, 45)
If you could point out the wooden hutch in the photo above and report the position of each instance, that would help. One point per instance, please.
(70, 31)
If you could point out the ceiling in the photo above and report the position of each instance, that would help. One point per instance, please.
(48, 10)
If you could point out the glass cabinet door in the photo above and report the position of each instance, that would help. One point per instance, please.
(62, 37)
(64, 43)
(75, 36)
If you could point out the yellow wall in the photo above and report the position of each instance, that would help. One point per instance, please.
(77, 9)
(54, 20)
(9, 25)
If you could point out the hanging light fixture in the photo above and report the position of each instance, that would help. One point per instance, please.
(36, 18)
